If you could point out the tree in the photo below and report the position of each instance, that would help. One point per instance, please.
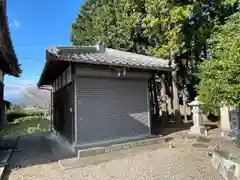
(17, 107)
(168, 29)
(220, 75)
(203, 19)
(117, 23)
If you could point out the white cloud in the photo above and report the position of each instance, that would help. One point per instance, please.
(15, 89)
(14, 24)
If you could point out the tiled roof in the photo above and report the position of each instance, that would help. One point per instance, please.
(105, 56)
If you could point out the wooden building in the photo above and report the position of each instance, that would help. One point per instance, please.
(100, 95)
(8, 60)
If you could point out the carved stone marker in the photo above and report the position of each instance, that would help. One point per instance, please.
(235, 122)
(225, 120)
(198, 128)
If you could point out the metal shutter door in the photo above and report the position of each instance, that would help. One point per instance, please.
(109, 109)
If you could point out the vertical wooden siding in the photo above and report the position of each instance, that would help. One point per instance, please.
(63, 79)
(63, 105)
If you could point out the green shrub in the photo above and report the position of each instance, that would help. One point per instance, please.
(209, 110)
(219, 76)
(14, 114)
(32, 130)
(35, 112)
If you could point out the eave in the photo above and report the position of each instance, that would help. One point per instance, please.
(9, 61)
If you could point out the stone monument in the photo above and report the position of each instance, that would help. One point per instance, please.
(235, 122)
(198, 128)
(225, 121)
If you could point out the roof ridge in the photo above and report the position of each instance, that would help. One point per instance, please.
(108, 55)
(110, 50)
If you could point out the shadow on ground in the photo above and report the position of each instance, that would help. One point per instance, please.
(29, 150)
(173, 125)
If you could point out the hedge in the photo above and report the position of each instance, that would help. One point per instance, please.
(15, 114)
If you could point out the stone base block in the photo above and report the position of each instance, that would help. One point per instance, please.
(121, 146)
(223, 163)
(226, 134)
(197, 130)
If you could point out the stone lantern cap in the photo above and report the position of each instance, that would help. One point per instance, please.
(196, 102)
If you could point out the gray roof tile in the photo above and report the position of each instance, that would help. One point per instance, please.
(90, 54)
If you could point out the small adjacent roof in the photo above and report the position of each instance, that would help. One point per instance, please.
(99, 55)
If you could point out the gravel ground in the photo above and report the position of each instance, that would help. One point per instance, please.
(162, 164)
(180, 163)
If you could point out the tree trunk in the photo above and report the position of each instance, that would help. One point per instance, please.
(156, 105)
(176, 107)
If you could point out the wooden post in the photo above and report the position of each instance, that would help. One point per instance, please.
(156, 106)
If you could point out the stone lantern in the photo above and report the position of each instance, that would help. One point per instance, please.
(198, 128)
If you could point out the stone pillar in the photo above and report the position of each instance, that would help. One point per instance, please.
(185, 109)
(185, 106)
(225, 120)
(163, 98)
(198, 127)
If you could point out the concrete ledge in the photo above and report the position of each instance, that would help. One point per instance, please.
(226, 164)
(59, 138)
(122, 146)
(59, 149)
(9, 143)
(112, 141)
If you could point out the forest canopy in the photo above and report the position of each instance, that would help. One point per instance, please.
(169, 29)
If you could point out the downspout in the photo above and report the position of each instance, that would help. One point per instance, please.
(44, 88)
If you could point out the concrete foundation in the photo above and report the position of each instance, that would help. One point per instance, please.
(118, 147)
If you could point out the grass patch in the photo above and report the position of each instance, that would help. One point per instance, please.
(27, 125)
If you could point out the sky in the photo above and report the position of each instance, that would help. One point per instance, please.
(35, 26)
